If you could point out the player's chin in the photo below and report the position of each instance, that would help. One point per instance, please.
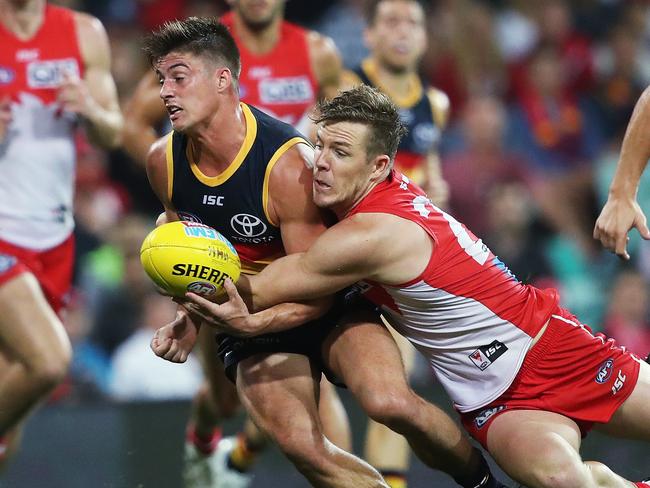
(321, 200)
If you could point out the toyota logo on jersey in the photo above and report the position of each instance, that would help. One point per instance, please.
(247, 225)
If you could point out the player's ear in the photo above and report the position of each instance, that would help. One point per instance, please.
(380, 165)
(223, 78)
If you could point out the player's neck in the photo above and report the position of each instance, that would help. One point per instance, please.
(398, 85)
(346, 207)
(258, 42)
(24, 19)
(213, 146)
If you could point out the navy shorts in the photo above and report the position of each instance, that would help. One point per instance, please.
(305, 339)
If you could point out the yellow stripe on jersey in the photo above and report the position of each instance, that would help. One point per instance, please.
(274, 159)
(402, 101)
(349, 80)
(439, 102)
(169, 157)
(249, 139)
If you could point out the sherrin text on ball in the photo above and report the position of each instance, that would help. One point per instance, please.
(187, 256)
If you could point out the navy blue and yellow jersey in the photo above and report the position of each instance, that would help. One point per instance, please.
(235, 202)
(421, 113)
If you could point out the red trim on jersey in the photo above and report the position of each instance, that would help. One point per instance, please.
(33, 65)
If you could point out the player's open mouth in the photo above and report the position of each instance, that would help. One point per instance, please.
(320, 185)
(172, 110)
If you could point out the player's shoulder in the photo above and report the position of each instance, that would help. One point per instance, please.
(88, 24)
(92, 39)
(294, 164)
(321, 47)
(157, 155)
(440, 105)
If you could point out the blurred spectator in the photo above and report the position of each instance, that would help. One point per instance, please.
(627, 313)
(559, 136)
(464, 58)
(619, 80)
(516, 30)
(344, 22)
(479, 162)
(511, 216)
(138, 374)
(556, 30)
(116, 284)
(89, 374)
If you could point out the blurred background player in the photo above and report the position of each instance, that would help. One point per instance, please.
(285, 69)
(397, 38)
(54, 72)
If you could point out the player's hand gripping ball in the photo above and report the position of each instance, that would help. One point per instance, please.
(186, 256)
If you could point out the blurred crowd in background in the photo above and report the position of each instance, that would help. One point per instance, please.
(541, 92)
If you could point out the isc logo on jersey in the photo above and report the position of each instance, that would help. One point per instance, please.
(188, 256)
(295, 89)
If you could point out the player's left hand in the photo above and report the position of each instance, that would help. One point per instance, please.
(73, 96)
(175, 340)
(231, 317)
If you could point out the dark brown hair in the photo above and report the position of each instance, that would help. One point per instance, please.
(206, 37)
(371, 6)
(370, 107)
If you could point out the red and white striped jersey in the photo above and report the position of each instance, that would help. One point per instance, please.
(37, 156)
(466, 312)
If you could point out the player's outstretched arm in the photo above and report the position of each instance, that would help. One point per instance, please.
(621, 212)
(233, 316)
(142, 113)
(94, 97)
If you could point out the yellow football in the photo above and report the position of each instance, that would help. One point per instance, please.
(187, 256)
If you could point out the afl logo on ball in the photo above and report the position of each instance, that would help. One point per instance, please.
(202, 288)
(247, 225)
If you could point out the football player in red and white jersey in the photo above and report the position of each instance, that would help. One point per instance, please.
(54, 73)
(285, 70)
(528, 379)
(396, 36)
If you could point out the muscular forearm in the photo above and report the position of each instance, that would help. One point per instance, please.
(635, 151)
(104, 126)
(283, 317)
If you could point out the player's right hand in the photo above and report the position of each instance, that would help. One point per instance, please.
(175, 340)
(618, 217)
(5, 117)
